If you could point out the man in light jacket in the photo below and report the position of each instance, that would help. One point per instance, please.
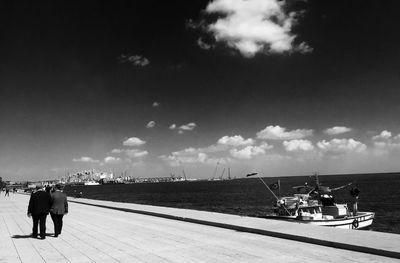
(58, 209)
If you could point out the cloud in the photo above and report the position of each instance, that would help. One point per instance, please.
(156, 104)
(337, 130)
(252, 26)
(188, 127)
(133, 141)
(85, 159)
(134, 153)
(136, 60)
(250, 151)
(341, 146)
(236, 140)
(188, 156)
(298, 145)
(112, 160)
(218, 152)
(385, 143)
(384, 135)
(116, 151)
(385, 147)
(203, 45)
(280, 133)
(151, 124)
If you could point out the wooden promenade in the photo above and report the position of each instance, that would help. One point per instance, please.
(136, 233)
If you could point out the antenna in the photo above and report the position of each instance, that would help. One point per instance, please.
(215, 170)
(316, 179)
(184, 175)
(222, 174)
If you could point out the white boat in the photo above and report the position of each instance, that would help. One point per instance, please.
(305, 209)
(316, 206)
(92, 183)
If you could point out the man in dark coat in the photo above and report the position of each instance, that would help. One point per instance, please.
(58, 209)
(39, 207)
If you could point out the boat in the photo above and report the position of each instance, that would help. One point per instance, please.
(92, 183)
(317, 206)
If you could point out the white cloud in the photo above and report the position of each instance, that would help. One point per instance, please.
(384, 143)
(156, 104)
(385, 147)
(341, 146)
(188, 127)
(151, 124)
(253, 26)
(188, 156)
(384, 135)
(136, 60)
(112, 160)
(117, 151)
(134, 153)
(216, 152)
(85, 159)
(337, 130)
(203, 45)
(280, 133)
(236, 140)
(298, 145)
(133, 141)
(250, 151)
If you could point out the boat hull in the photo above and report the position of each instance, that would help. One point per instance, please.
(360, 221)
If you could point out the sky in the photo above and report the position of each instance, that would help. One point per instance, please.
(154, 88)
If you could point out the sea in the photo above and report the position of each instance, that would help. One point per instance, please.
(379, 193)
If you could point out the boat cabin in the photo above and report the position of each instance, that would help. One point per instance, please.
(304, 207)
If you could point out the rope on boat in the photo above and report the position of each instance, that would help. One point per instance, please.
(277, 199)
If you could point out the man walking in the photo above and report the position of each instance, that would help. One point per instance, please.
(39, 207)
(58, 209)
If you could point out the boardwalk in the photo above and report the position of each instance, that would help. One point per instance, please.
(95, 234)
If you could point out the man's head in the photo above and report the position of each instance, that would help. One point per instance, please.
(58, 186)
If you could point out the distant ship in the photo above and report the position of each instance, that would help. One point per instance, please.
(92, 183)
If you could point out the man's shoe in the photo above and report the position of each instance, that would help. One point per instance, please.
(42, 237)
(56, 235)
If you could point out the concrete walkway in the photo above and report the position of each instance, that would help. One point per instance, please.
(97, 234)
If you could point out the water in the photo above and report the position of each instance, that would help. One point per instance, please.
(380, 193)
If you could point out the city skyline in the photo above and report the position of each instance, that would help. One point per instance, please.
(275, 87)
